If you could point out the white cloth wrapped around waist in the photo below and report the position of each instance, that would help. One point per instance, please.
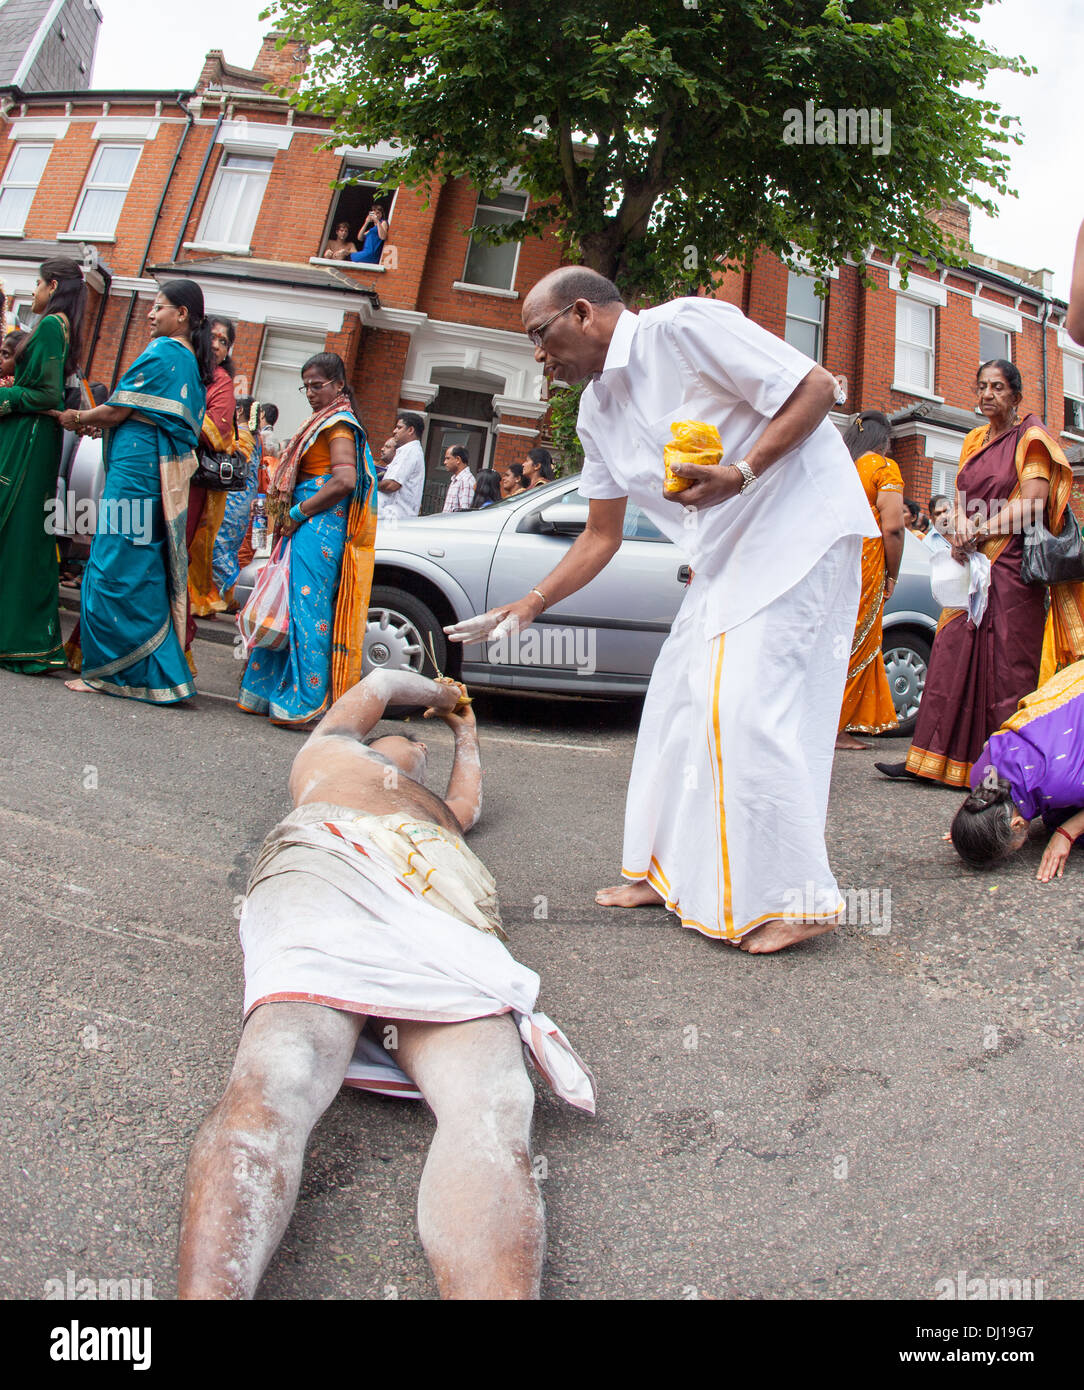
(392, 917)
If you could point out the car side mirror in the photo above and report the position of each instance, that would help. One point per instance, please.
(564, 518)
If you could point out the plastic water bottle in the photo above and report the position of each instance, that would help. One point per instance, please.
(259, 523)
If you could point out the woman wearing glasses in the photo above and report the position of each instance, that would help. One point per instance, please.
(322, 504)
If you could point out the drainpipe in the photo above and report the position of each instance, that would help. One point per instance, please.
(199, 181)
(189, 122)
(107, 276)
(1046, 316)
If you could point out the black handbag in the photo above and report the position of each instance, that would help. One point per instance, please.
(1050, 559)
(221, 472)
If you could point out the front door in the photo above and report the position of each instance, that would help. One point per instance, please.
(443, 434)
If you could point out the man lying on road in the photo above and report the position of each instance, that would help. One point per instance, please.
(373, 954)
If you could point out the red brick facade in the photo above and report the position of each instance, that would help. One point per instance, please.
(424, 330)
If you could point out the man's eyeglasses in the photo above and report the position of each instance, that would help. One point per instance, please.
(535, 334)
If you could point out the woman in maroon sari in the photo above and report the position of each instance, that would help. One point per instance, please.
(1009, 471)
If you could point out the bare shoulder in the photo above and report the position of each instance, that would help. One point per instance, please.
(333, 758)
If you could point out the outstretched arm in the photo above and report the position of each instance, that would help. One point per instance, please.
(363, 706)
(1074, 319)
(588, 556)
(464, 795)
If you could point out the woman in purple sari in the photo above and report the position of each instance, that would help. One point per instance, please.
(1010, 470)
(1033, 766)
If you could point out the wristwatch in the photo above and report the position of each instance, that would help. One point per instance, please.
(747, 473)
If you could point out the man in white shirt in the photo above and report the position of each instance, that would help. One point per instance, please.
(729, 789)
(460, 492)
(404, 478)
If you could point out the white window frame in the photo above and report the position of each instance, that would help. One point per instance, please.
(6, 183)
(818, 324)
(1077, 431)
(899, 383)
(203, 242)
(500, 291)
(90, 186)
(1005, 356)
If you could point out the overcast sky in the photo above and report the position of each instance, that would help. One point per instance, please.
(1038, 229)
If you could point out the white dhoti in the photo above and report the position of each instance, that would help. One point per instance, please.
(395, 918)
(729, 788)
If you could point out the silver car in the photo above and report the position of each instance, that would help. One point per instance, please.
(603, 640)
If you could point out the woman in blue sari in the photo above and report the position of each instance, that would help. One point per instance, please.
(130, 639)
(323, 499)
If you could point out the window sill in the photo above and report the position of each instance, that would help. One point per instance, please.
(919, 391)
(219, 246)
(347, 265)
(90, 240)
(484, 289)
(14, 236)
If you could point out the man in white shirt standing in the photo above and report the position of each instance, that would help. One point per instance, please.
(728, 795)
(460, 492)
(404, 478)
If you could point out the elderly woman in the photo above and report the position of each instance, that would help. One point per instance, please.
(1033, 766)
(130, 637)
(1009, 469)
(323, 504)
(30, 449)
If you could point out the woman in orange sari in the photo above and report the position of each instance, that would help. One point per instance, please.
(868, 707)
(323, 499)
(1009, 470)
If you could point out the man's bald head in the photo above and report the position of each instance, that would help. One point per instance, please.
(571, 282)
(575, 310)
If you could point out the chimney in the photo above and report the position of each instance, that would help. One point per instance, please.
(954, 220)
(283, 66)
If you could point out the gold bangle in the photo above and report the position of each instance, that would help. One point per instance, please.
(542, 596)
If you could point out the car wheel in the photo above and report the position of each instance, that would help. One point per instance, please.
(402, 634)
(907, 659)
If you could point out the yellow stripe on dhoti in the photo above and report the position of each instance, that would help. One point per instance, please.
(728, 794)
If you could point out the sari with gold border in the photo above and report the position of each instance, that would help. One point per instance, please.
(868, 707)
(130, 636)
(978, 675)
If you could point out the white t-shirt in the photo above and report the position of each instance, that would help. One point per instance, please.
(407, 469)
(701, 359)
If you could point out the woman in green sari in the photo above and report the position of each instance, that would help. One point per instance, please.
(30, 445)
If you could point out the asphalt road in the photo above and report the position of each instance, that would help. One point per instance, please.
(861, 1116)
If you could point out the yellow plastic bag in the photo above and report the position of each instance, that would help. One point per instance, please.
(694, 442)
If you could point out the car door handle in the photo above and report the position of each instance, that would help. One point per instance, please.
(684, 574)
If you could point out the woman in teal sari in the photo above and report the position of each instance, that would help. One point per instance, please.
(30, 446)
(132, 625)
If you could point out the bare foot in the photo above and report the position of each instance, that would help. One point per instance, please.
(80, 686)
(776, 935)
(639, 894)
(845, 740)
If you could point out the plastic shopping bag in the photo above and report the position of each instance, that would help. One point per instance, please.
(693, 442)
(265, 619)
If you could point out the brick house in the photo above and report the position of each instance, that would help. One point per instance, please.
(914, 351)
(230, 185)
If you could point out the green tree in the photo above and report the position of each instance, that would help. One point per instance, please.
(653, 135)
